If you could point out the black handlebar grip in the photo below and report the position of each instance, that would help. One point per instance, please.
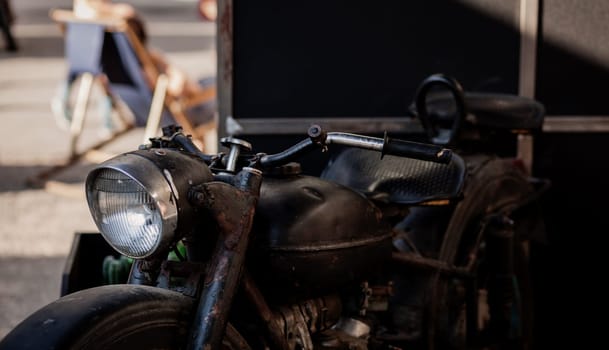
(416, 150)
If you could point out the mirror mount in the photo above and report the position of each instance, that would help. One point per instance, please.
(445, 136)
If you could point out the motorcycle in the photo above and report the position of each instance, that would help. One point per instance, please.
(396, 244)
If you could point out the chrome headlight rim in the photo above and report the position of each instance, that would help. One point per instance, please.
(151, 178)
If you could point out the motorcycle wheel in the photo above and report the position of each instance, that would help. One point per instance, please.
(112, 317)
(465, 307)
(505, 308)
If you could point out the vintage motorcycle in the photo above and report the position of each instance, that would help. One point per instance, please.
(396, 244)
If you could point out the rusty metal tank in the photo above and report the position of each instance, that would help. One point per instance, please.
(312, 235)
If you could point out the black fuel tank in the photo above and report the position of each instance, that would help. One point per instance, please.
(312, 235)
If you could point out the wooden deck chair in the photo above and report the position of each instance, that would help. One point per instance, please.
(107, 47)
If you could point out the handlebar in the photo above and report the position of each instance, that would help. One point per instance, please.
(386, 145)
(317, 139)
(416, 150)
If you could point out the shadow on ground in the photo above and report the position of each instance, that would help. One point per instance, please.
(20, 292)
(15, 178)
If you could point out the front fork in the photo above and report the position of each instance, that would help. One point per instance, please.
(232, 207)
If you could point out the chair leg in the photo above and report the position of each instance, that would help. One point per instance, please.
(156, 107)
(159, 101)
(125, 118)
(80, 110)
(208, 134)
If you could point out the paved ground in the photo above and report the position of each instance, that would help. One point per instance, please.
(36, 226)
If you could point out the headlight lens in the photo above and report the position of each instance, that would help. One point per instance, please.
(125, 213)
(133, 204)
(135, 199)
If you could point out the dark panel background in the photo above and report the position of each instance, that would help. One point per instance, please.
(355, 58)
(573, 57)
(570, 268)
(573, 79)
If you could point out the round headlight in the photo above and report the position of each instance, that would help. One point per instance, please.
(135, 199)
(127, 215)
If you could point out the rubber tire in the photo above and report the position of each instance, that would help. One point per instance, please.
(108, 317)
(452, 337)
(523, 309)
(495, 184)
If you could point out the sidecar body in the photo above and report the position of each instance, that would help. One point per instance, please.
(84, 265)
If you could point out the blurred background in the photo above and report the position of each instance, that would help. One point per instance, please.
(37, 225)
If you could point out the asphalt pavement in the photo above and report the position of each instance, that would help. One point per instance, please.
(37, 225)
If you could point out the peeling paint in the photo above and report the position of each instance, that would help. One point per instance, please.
(171, 183)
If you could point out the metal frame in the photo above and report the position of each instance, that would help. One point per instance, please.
(224, 45)
(275, 126)
(228, 125)
(578, 124)
(528, 22)
(529, 28)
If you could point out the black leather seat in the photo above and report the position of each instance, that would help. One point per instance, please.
(502, 111)
(397, 179)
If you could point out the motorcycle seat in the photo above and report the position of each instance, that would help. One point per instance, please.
(491, 110)
(503, 111)
(397, 179)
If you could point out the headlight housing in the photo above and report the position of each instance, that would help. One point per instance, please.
(139, 200)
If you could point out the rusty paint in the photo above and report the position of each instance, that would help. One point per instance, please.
(439, 202)
(191, 271)
(273, 324)
(225, 34)
(221, 265)
(233, 211)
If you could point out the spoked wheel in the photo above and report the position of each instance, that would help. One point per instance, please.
(113, 317)
(490, 305)
(493, 309)
(504, 301)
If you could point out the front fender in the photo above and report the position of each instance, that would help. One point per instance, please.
(79, 318)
